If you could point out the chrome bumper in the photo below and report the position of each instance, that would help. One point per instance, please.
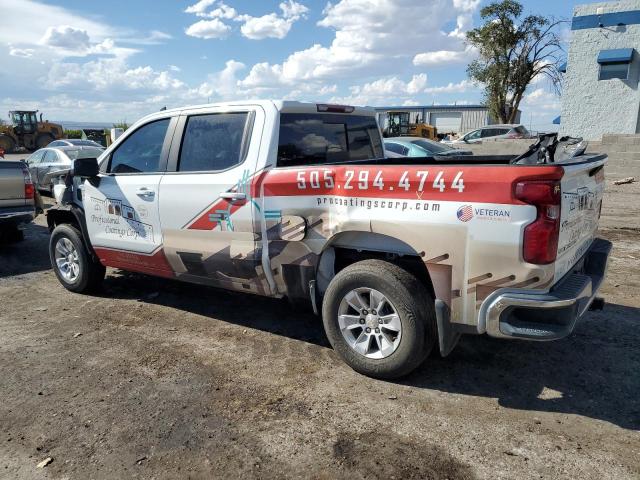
(548, 315)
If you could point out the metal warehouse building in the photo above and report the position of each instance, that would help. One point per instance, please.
(600, 88)
(458, 119)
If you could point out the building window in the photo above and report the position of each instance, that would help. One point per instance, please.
(614, 70)
(615, 63)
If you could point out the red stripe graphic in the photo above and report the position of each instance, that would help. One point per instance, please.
(486, 184)
(152, 264)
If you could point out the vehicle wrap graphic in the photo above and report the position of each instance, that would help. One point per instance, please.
(296, 214)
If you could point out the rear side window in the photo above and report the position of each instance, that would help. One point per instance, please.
(212, 142)
(394, 147)
(315, 138)
(50, 157)
(140, 152)
(522, 130)
(36, 157)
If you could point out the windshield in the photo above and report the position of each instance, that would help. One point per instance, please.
(89, 152)
(315, 138)
(84, 143)
(432, 147)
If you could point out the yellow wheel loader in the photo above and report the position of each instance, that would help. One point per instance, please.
(26, 131)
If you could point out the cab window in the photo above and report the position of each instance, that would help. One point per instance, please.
(212, 142)
(317, 138)
(140, 152)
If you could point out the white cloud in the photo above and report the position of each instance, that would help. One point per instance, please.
(40, 18)
(200, 7)
(208, 29)
(67, 38)
(385, 90)
(222, 84)
(445, 57)
(540, 99)
(223, 11)
(273, 25)
(21, 52)
(371, 39)
(460, 87)
(174, 68)
(112, 77)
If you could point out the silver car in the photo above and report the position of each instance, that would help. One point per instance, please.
(44, 163)
(73, 142)
(511, 131)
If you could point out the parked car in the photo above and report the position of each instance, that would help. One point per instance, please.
(74, 142)
(17, 199)
(44, 163)
(512, 131)
(290, 199)
(420, 147)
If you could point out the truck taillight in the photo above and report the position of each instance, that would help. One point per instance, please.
(29, 189)
(540, 244)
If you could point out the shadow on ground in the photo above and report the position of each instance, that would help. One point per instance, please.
(593, 373)
(26, 256)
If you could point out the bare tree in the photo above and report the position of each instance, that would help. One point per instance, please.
(512, 52)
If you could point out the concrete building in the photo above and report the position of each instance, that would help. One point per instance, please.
(458, 119)
(600, 89)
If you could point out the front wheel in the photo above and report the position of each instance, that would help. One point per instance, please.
(379, 318)
(72, 263)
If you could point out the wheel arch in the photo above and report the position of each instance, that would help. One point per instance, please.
(71, 215)
(346, 248)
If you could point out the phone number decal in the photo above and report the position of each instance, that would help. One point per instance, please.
(420, 180)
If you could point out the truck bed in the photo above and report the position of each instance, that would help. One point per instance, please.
(479, 160)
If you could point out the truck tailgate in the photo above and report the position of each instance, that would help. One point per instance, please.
(11, 184)
(582, 191)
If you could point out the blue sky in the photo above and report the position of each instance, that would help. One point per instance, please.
(119, 60)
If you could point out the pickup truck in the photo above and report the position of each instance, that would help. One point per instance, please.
(400, 256)
(17, 199)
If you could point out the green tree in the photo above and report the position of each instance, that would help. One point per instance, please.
(512, 52)
(73, 133)
(122, 124)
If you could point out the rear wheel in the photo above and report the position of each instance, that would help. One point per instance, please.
(72, 263)
(379, 318)
(7, 144)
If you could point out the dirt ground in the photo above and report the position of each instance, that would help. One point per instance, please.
(157, 379)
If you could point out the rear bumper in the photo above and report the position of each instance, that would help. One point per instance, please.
(17, 215)
(548, 315)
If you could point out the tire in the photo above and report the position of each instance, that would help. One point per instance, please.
(84, 275)
(394, 355)
(43, 140)
(7, 144)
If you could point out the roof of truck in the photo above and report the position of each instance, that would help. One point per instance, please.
(281, 105)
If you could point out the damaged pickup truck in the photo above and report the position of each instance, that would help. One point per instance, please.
(285, 199)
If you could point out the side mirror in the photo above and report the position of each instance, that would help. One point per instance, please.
(85, 167)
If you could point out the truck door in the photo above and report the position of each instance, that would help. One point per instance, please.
(206, 203)
(122, 208)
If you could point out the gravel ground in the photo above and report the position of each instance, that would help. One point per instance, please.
(158, 379)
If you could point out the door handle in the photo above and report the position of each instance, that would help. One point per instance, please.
(233, 196)
(145, 192)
